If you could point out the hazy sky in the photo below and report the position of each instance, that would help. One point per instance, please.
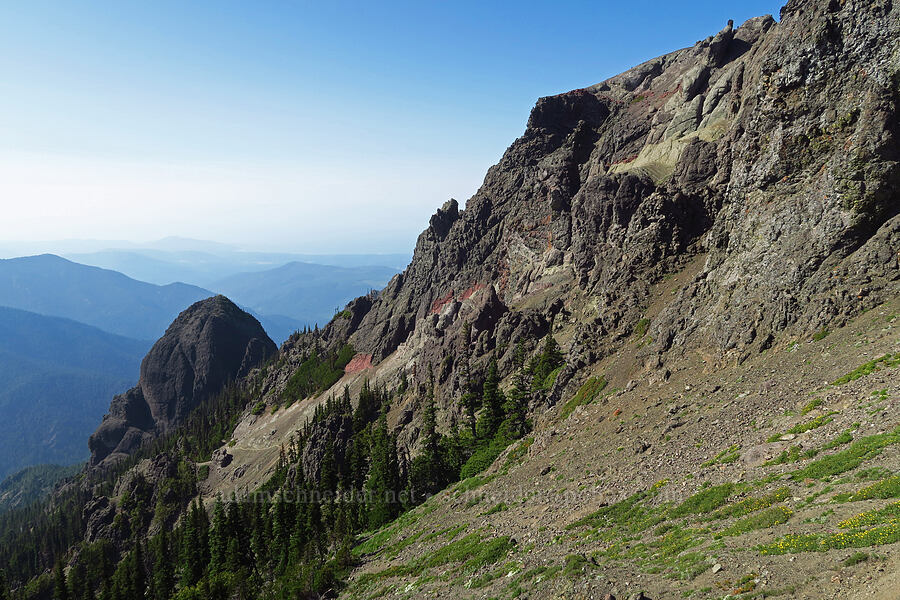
(297, 126)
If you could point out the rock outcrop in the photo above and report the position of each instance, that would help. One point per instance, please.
(768, 153)
(208, 345)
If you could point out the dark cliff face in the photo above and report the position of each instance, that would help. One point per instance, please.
(208, 345)
(767, 151)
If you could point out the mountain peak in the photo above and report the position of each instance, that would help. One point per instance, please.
(209, 344)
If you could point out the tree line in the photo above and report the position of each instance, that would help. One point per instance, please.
(292, 538)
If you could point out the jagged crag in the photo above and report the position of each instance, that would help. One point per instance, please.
(712, 239)
(210, 344)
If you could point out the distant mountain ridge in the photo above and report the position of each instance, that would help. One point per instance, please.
(32, 483)
(50, 285)
(56, 378)
(306, 292)
(204, 267)
(284, 299)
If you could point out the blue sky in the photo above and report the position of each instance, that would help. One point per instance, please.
(290, 125)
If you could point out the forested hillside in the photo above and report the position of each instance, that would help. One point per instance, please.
(56, 379)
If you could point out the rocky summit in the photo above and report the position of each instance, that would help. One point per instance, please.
(210, 344)
(654, 356)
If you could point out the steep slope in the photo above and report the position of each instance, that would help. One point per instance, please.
(760, 163)
(210, 344)
(770, 149)
(711, 238)
(56, 377)
(758, 169)
(775, 478)
(308, 293)
(54, 286)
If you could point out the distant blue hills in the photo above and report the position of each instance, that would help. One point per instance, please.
(57, 377)
(73, 335)
(50, 285)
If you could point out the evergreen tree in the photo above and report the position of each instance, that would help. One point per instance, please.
(218, 539)
(236, 533)
(106, 592)
(282, 525)
(202, 527)
(314, 524)
(381, 484)
(328, 476)
(515, 408)
(492, 404)
(60, 589)
(430, 437)
(550, 359)
(346, 404)
(428, 470)
(138, 571)
(77, 583)
(163, 568)
(195, 546)
(88, 593)
(469, 399)
(258, 534)
(299, 534)
(454, 452)
(4, 586)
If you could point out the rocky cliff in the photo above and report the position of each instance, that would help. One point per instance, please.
(208, 345)
(769, 151)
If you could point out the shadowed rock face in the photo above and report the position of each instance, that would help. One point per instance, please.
(208, 345)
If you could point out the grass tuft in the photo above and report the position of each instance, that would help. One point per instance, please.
(705, 501)
(868, 368)
(585, 395)
(863, 449)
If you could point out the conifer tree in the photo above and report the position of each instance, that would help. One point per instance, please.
(106, 592)
(428, 471)
(328, 475)
(469, 400)
(218, 539)
(492, 404)
(258, 534)
(4, 586)
(60, 589)
(195, 546)
(550, 359)
(163, 568)
(88, 593)
(314, 521)
(76, 580)
(236, 536)
(515, 407)
(381, 484)
(138, 572)
(346, 404)
(430, 437)
(299, 534)
(282, 526)
(202, 520)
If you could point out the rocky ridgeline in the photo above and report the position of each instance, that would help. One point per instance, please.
(769, 151)
(765, 157)
(209, 344)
